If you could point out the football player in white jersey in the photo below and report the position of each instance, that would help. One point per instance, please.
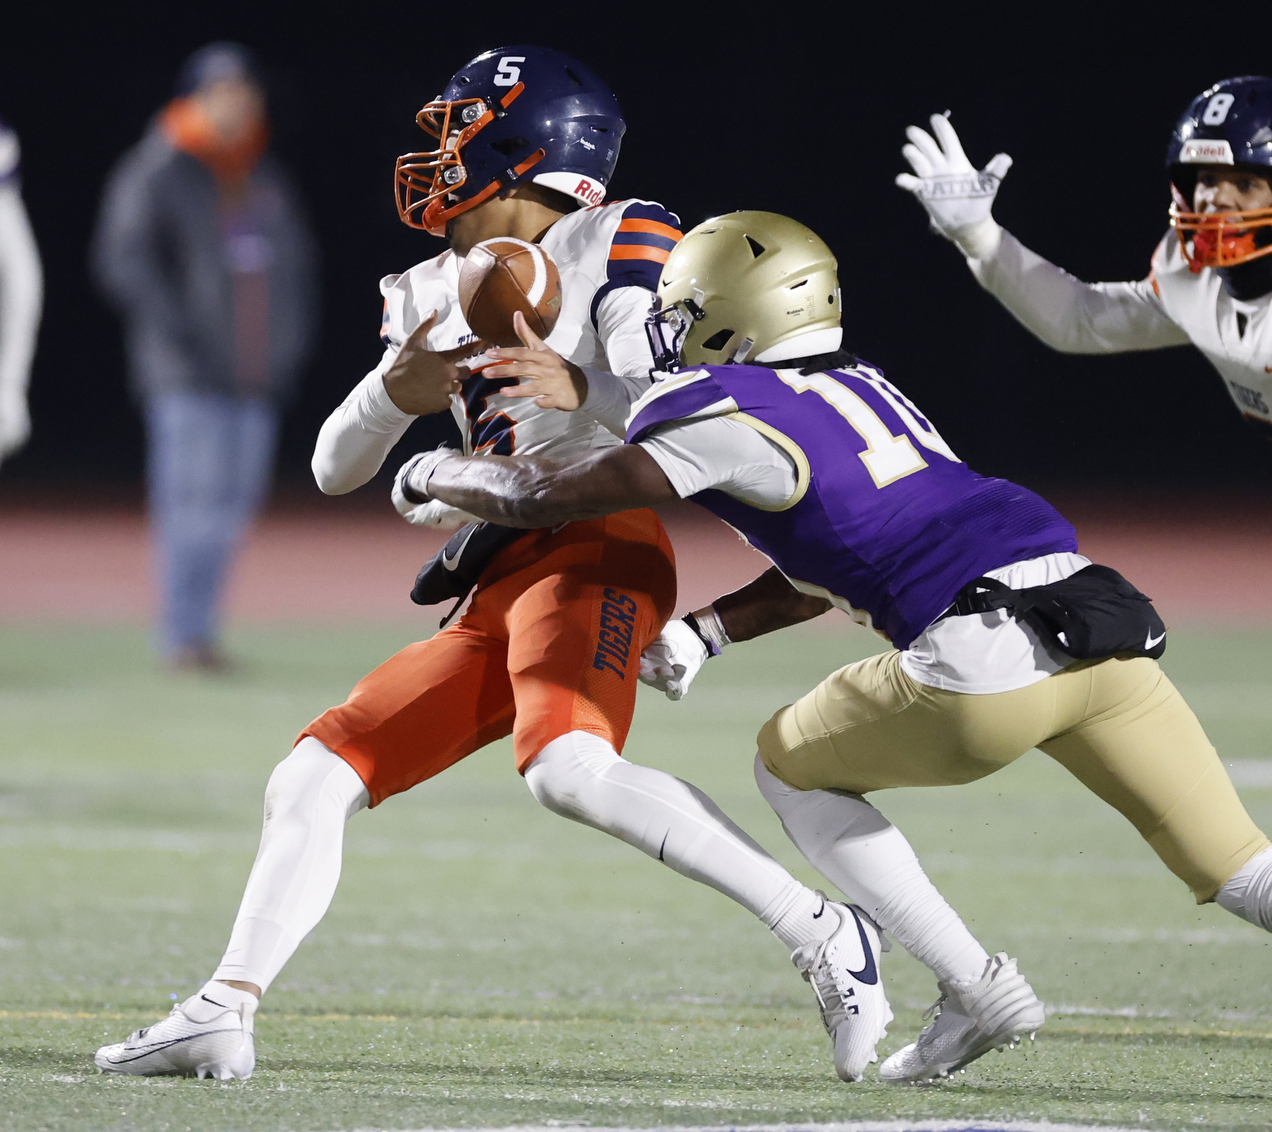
(548, 652)
(1211, 278)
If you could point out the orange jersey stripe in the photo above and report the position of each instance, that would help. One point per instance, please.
(638, 251)
(653, 227)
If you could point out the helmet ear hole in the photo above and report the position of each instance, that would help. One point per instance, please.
(718, 340)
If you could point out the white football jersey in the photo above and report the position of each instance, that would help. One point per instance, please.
(1234, 334)
(598, 252)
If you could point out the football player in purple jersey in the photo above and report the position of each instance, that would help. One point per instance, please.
(1006, 637)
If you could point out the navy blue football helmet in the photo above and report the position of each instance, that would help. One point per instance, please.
(512, 114)
(1229, 124)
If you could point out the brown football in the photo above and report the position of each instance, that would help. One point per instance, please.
(504, 275)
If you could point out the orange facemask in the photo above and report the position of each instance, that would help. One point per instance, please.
(190, 130)
(1219, 239)
(427, 180)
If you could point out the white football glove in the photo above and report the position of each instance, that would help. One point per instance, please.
(439, 515)
(414, 474)
(958, 199)
(672, 661)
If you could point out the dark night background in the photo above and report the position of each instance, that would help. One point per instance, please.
(793, 108)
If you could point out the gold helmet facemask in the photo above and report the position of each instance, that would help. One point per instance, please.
(749, 286)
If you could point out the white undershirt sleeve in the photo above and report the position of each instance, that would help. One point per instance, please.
(1072, 316)
(620, 324)
(355, 439)
(21, 296)
(725, 454)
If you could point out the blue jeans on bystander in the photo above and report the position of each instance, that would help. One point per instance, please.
(209, 461)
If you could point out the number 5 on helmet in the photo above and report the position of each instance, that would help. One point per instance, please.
(510, 116)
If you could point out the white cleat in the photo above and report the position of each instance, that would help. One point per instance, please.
(208, 1035)
(994, 1012)
(854, 1008)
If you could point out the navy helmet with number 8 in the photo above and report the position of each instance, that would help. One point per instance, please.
(511, 115)
(1229, 124)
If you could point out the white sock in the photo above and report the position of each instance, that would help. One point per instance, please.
(869, 860)
(215, 993)
(1249, 893)
(310, 796)
(581, 777)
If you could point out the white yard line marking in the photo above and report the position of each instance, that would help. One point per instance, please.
(851, 1126)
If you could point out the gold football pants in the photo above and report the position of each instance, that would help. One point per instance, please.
(1118, 725)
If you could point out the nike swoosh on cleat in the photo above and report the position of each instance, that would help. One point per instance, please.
(159, 1047)
(214, 1002)
(1153, 642)
(869, 974)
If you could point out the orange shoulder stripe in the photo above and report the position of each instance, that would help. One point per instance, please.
(639, 251)
(653, 227)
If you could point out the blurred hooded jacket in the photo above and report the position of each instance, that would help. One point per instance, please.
(206, 253)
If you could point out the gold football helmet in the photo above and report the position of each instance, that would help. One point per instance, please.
(746, 287)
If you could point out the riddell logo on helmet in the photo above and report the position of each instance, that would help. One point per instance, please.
(589, 191)
(1198, 152)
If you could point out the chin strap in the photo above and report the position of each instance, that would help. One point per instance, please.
(1248, 280)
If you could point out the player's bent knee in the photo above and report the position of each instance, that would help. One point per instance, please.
(567, 770)
(311, 773)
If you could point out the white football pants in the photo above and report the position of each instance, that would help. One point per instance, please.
(313, 792)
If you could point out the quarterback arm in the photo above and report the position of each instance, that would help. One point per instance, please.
(409, 382)
(355, 439)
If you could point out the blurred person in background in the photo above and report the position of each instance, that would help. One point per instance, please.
(202, 248)
(21, 293)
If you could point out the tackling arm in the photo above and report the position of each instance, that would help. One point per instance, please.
(531, 491)
(765, 605)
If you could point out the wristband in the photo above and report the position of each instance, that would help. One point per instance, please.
(706, 626)
(417, 493)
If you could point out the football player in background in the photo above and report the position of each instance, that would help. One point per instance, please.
(834, 474)
(21, 292)
(1211, 278)
(548, 651)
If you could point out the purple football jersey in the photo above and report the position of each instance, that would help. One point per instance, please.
(885, 518)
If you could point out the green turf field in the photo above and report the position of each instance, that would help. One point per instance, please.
(487, 963)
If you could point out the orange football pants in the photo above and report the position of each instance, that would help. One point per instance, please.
(550, 644)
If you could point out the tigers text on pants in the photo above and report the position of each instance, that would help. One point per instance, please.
(551, 644)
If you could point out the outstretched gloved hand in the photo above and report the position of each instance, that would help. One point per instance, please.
(957, 198)
(671, 661)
